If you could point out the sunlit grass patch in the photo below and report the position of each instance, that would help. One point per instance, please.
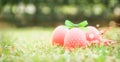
(34, 45)
(113, 34)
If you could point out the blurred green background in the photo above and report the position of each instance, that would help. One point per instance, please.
(27, 13)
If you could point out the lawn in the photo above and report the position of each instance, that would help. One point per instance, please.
(34, 45)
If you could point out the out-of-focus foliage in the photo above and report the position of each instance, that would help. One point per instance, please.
(54, 12)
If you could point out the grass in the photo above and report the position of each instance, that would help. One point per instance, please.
(34, 45)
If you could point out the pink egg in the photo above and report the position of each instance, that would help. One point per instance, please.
(58, 35)
(75, 38)
(93, 35)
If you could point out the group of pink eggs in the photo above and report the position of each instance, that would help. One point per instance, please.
(76, 37)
